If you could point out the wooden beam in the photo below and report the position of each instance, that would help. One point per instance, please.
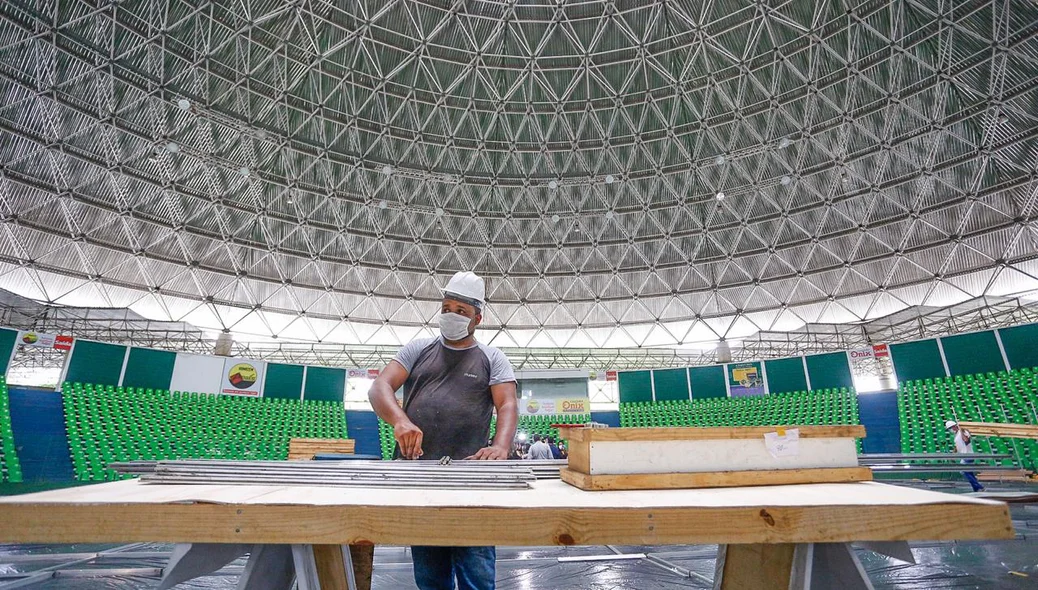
(669, 434)
(363, 557)
(331, 567)
(715, 479)
(580, 457)
(517, 525)
(755, 567)
(1004, 430)
(306, 448)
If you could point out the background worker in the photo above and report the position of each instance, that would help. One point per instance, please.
(555, 453)
(452, 385)
(964, 445)
(539, 449)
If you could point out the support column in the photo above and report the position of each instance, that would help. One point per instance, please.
(754, 567)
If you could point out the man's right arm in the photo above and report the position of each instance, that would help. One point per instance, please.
(382, 396)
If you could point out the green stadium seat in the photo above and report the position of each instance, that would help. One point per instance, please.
(1007, 396)
(105, 424)
(816, 407)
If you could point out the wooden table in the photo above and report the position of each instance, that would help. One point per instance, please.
(770, 536)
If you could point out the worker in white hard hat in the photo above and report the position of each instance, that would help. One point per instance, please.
(452, 386)
(964, 445)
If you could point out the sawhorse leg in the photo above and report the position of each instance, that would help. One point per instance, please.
(273, 567)
(803, 566)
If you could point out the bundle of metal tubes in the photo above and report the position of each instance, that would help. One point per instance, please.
(933, 462)
(383, 474)
(542, 468)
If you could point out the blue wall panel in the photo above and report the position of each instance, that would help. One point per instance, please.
(612, 419)
(363, 428)
(878, 414)
(38, 424)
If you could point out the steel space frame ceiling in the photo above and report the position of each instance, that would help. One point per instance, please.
(623, 173)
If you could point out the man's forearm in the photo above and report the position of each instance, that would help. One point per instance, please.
(507, 418)
(383, 401)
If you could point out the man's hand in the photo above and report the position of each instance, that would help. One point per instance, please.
(409, 437)
(490, 453)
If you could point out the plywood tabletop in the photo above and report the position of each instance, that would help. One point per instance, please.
(697, 433)
(552, 513)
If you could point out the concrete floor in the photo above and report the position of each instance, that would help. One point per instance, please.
(1010, 565)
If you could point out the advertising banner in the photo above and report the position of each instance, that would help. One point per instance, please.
(194, 372)
(876, 351)
(872, 369)
(243, 377)
(745, 379)
(548, 406)
(41, 340)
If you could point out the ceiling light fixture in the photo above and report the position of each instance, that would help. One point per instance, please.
(184, 104)
(172, 147)
(387, 170)
(720, 196)
(609, 179)
(784, 143)
(554, 184)
(243, 171)
(719, 160)
(785, 180)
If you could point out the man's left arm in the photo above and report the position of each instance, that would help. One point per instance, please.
(507, 418)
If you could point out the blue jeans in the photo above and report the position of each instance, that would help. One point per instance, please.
(436, 567)
(970, 477)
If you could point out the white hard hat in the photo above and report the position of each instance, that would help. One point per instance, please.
(949, 423)
(466, 287)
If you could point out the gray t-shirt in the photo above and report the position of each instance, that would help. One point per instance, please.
(447, 394)
(539, 450)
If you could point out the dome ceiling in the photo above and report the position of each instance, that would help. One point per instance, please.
(651, 173)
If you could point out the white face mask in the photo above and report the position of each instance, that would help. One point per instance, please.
(454, 326)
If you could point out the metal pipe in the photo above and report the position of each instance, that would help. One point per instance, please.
(939, 468)
(683, 572)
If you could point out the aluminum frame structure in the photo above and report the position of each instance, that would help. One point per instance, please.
(625, 173)
(126, 327)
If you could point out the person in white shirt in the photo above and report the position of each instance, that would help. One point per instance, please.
(964, 445)
(539, 449)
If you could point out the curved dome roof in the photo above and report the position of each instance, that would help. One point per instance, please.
(651, 173)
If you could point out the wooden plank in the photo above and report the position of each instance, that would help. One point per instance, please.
(715, 479)
(306, 448)
(363, 558)
(756, 567)
(1019, 475)
(331, 567)
(516, 525)
(665, 434)
(579, 456)
(1004, 430)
